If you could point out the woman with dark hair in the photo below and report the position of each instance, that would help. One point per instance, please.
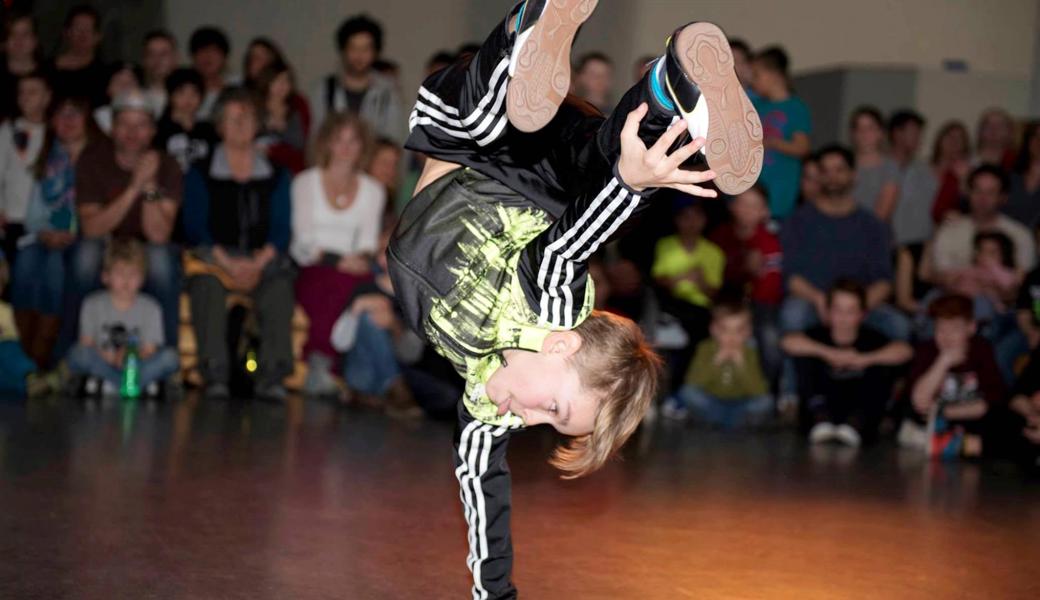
(20, 141)
(261, 53)
(1024, 198)
(77, 68)
(39, 272)
(237, 220)
(995, 139)
(337, 213)
(951, 163)
(123, 78)
(877, 175)
(286, 123)
(22, 56)
(180, 133)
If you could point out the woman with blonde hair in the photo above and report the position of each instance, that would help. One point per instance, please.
(336, 216)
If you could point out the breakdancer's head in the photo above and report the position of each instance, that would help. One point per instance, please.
(593, 383)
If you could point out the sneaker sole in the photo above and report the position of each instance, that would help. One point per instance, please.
(543, 70)
(734, 143)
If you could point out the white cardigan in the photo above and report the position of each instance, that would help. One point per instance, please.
(16, 177)
(318, 227)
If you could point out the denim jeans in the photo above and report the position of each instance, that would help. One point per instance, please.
(371, 366)
(38, 283)
(729, 414)
(87, 360)
(162, 282)
(797, 315)
(16, 367)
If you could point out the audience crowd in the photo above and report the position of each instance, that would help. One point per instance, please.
(857, 291)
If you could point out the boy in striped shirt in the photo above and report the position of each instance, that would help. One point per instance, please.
(522, 185)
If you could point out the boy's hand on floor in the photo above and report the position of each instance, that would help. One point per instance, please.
(641, 167)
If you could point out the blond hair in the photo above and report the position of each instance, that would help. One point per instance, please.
(330, 128)
(615, 363)
(128, 251)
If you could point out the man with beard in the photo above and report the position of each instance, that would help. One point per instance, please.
(830, 240)
(358, 88)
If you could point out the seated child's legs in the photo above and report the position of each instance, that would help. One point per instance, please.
(16, 367)
(87, 360)
(890, 321)
(163, 282)
(370, 366)
(706, 408)
(159, 366)
(753, 411)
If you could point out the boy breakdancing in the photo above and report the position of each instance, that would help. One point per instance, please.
(523, 184)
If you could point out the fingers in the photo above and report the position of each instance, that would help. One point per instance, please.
(684, 176)
(632, 121)
(683, 154)
(663, 143)
(693, 190)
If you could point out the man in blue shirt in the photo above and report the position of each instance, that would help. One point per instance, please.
(785, 129)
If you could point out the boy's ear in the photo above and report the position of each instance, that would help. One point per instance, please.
(562, 342)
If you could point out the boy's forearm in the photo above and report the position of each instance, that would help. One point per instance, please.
(894, 354)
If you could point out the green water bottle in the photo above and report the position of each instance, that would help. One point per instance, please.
(131, 387)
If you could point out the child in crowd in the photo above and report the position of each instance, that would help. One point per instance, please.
(954, 383)
(522, 186)
(991, 280)
(18, 375)
(725, 386)
(754, 269)
(845, 370)
(118, 318)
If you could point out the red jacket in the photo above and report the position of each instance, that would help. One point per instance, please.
(767, 287)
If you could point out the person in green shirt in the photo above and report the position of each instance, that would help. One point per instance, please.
(724, 385)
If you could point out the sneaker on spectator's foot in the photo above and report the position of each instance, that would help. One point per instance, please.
(674, 410)
(319, 381)
(92, 388)
(540, 65)
(275, 392)
(822, 432)
(912, 435)
(400, 403)
(217, 391)
(845, 434)
(153, 391)
(787, 407)
(109, 389)
(703, 87)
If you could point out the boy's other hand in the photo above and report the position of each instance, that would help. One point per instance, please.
(641, 167)
(952, 357)
(146, 170)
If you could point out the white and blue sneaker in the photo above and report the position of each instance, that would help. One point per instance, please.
(696, 79)
(540, 64)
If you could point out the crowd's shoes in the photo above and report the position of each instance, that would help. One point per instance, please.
(45, 384)
(842, 433)
(216, 391)
(400, 402)
(273, 392)
(540, 63)
(912, 436)
(673, 409)
(821, 432)
(319, 382)
(701, 85)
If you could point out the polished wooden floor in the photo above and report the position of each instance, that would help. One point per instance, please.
(255, 501)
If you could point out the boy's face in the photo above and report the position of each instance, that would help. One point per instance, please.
(596, 78)
(123, 279)
(33, 97)
(907, 137)
(690, 221)
(985, 196)
(543, 388)
(742, 67)
(764, 79)
(951, 334)
(359, 53)
(731, 331)
(209, 61)
(989, 254)
(160, 58)
(845, 312)
(749, 208)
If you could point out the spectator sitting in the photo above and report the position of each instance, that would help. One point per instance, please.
(209, 48)
(21, 56)
(753, 268)
(641, 66)
(1023, 430)
(124, 189)
(742, 56)
(724, 384)
(19, 377)
(20, 143)
(845, 370)
(594, 79)
(1024, 198)
(1027, 313)
(954, 383)
(437, 61)
(809, 186)
(877, 175)
(995, 139)
(118, 318)
(372, 334)
(77, 70)
(385, 166)
(690, 269)
(951, 162)
(261, 53)
(992, 280)
(785, 129)
(357, 88)
(286, 123)
(159, 58)
(237, 219)
(180, 133)
(953, 249)
(123, 79)
(39, 274)
(337, 212)
(911, 220)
